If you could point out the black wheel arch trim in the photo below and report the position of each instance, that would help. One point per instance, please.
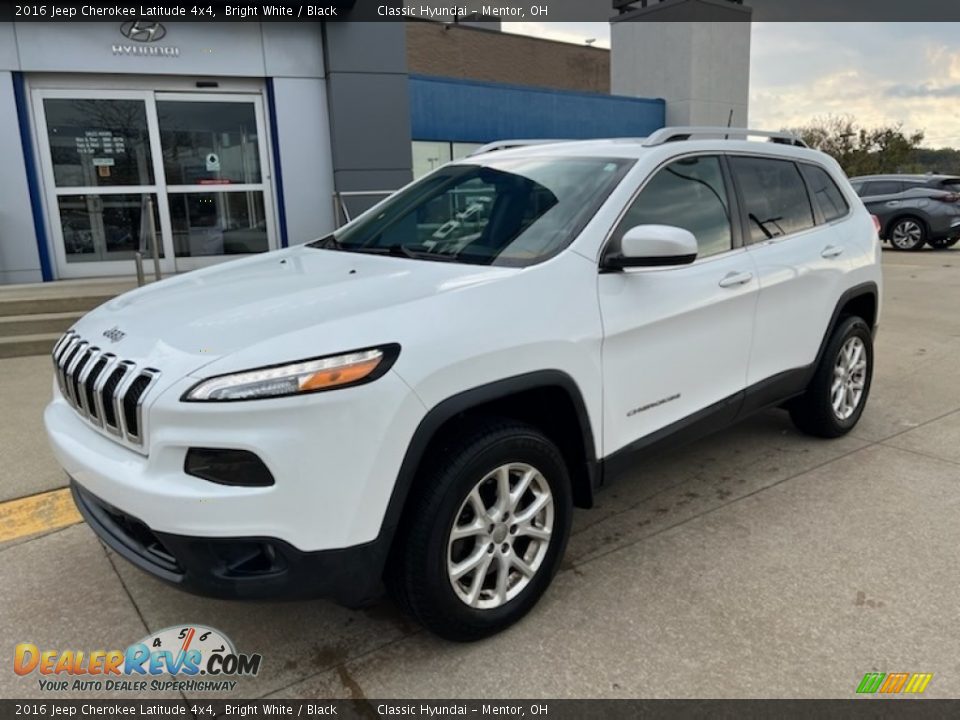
(863, 289)
(467, 400)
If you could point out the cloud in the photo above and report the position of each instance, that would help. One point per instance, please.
(571, 32)
(881, 73)
(925, 90)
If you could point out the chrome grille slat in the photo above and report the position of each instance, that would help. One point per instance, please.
(91, 357)
(60, 345)
(101, 382)
(83, 359)
(89, 384)
(105, 390)
(118, 393)
(70, 369)
(108, 395)
(65, 356)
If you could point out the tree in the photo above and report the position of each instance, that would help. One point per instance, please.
(862, 150)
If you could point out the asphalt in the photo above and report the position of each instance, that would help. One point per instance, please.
(755, 563)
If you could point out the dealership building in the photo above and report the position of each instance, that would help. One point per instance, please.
(226, 139)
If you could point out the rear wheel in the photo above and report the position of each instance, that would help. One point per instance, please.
(835, 398)
(907, 233)
(487, 534)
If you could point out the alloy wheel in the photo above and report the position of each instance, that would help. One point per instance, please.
(500, 536)
(906, 234)
(849, 378)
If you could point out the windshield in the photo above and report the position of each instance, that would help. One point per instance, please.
(505, 212)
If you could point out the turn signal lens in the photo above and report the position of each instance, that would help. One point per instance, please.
(306, 376)
(340, 376)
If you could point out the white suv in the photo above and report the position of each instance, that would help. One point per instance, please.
(423, 396)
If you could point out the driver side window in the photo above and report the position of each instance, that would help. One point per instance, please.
(689, 193)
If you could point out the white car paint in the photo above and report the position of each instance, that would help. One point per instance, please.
(630, 340)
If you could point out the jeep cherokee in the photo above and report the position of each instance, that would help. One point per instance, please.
(421, 398)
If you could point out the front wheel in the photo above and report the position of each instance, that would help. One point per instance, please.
(908, 233)
(487, 533)
(834, 400)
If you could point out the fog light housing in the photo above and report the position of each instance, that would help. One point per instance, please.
(240, 468)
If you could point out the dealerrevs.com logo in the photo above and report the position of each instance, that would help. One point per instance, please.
(180, 658)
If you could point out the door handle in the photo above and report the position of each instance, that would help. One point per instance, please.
(735, 279)
(831, 251)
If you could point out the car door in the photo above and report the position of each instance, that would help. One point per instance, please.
(883, 198)
(677, 339)
(796, 237)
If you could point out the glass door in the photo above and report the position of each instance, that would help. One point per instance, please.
(101, 166)
(198, 159)
(215, 165)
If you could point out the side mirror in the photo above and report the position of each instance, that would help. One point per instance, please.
(653, 246)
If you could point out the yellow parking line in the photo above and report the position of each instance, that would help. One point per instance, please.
(36, 514)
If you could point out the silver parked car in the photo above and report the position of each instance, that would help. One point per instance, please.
(913, 209)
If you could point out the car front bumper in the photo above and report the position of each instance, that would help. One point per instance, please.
(334, 458)
(249, 568)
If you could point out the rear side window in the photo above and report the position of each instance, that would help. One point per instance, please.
(881, 187)
(775, 197)
(688, 193)
(825, 193)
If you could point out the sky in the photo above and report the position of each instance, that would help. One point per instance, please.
(878, 72)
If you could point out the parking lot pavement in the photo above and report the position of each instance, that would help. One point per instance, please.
(756, 562)
(28, 465)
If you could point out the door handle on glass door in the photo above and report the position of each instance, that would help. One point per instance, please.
(735, 279)
(831, 251)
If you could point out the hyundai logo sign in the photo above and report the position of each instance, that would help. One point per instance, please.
(141, 31)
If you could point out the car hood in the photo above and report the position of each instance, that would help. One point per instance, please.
(196, 318)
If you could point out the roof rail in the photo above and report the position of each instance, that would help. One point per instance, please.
(508, 144)
(675, 134)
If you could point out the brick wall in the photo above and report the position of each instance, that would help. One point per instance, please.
(478, 54)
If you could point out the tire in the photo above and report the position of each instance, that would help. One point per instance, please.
(829, 410)
(420, 575)
(942, 243)
(907, 233)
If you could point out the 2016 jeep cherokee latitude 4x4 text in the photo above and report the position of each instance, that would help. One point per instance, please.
(421, 397)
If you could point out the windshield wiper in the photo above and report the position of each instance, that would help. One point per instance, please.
(402, 251)
(327, 243)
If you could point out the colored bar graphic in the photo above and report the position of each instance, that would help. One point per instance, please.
(894, 683)
(871, 683)
(918, 682)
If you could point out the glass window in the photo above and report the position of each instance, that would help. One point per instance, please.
(218, 223)
(506, 212)
(209, 143)
(688, 193)
(775, 197)
(97, 143)
(825, 193)
(881, 187)
(428, 156)
(106, 227)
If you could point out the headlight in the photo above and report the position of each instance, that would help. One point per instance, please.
(306, 376)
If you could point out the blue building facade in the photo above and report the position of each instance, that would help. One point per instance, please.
(450, 117)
